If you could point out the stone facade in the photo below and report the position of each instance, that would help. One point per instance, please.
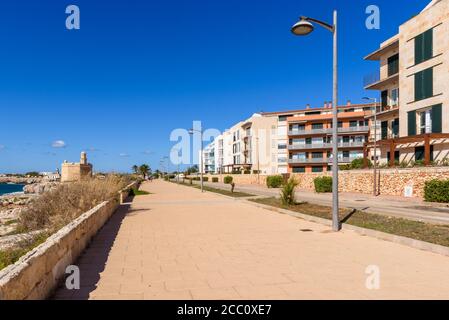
(71, 172)
(392, 182)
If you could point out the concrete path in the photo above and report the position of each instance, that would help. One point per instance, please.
(180, 244)
(394, 206)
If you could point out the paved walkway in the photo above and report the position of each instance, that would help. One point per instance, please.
(180, 244)
(413, 209)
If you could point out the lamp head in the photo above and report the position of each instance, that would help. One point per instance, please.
(302, 27)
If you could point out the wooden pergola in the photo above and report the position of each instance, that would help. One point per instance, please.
(226, 168)
(392, 144)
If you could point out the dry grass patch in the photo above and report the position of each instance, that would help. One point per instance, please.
(433, 233)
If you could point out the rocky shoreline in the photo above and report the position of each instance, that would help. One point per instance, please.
(20, 180)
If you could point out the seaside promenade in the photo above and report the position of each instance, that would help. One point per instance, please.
(177, 243)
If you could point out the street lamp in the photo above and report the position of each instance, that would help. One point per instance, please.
(375, 193)
(302, 28)
(191, 132)
(177, 151)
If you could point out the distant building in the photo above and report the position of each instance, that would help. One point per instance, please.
(76, 171)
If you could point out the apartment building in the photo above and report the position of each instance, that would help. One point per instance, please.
(246, 146)
(310, 137)
(413, 84)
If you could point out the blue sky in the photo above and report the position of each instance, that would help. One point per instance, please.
(138, 69)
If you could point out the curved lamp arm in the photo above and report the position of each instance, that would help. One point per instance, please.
(325, 25)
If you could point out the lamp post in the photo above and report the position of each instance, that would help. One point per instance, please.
(302, 28)
(177, 150)
(191, 132)
(375, 193)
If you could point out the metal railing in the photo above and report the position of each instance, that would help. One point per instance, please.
(328, 131)
(320, 160)
(324, 145)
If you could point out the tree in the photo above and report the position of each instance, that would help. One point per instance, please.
(192, 169)
(144, 170)
(135, 169)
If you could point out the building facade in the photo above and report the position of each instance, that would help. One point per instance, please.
(413, 82)
(310, 137)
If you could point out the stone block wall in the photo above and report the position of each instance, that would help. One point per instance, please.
(391, 181)
(37, 274)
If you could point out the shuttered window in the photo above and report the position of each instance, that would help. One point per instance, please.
(395, 128)
(384, 99)
(437, 118)
(393, 65)
(411, 123)
(424, 84)
(384, 129)
(424, 46)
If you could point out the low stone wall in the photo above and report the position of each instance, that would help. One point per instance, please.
(37, 274)
(391, 181)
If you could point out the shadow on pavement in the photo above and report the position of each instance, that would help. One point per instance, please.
(93, 260)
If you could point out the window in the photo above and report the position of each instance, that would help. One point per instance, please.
(308, 140)
(393, 65)
(299, 169)
(424, 84)
(424, 46)
(384, 130)
(353, 124)
(420, 153)
(394, 98)
(425, 121)
(317, 126)
(317, 169)
(384, 99)
(396, 156)
(395, 128)
(346, 139)
(282, 146)
(282, 118)
(317, 155)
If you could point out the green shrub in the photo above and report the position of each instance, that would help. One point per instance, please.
(228, 179)
(215, 179)
(436, 191)
(274, 181)
(359, 163)
(247, 172)
(288, 192)
(323, 184)
(256, 172)
(345, 167)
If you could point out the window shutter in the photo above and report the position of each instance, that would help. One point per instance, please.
(419, 49)
(418, 86)
(384, 129)
(437, 118)
(384, 98)
(428, 44)
(428, 83)
(412, 123)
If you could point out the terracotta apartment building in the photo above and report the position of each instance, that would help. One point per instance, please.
(310, 137)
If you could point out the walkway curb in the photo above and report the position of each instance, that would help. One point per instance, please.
(417, 244)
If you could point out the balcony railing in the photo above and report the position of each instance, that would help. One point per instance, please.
(324, 145)
(320, 160)
(328, 131)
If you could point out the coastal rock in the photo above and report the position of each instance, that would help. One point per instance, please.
(39, 188)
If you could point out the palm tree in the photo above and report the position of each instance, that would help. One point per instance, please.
(144, 170)
(135, 169)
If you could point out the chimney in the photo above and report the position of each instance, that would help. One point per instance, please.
(329, 105)
(307, 106)
(325, 105)
(348, 103)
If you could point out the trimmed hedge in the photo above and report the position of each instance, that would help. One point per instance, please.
(275, 181)
(436, 191)
(215, 179)
(323, 184)
(227, 180)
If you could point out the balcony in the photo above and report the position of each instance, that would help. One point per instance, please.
(374, 82)
(327, 131)
(320, 161)
(353, 129)
(325, 145)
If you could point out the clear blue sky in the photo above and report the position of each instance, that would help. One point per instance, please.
(139, 69)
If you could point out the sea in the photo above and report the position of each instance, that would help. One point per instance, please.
(10, 188)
